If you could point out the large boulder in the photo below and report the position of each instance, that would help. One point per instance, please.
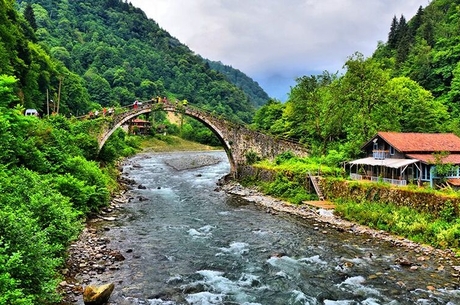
(93, 295)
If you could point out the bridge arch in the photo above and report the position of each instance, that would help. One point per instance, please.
(145, 108)
(236, 139)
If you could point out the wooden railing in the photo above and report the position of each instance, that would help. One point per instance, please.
(380, 154)
(398, 182)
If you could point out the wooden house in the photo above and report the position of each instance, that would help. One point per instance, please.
(399, 158)
(139, 126)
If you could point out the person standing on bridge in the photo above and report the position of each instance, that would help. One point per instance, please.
(135, 104)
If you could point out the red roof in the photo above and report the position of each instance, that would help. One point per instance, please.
(422, 142)
(429, 158)
(454, 181)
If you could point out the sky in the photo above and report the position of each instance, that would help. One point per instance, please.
(276, 41)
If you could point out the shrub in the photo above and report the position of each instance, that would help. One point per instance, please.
(252, 157)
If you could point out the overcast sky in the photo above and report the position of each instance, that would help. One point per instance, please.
(276, 41)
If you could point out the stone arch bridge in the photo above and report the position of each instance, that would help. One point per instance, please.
(236, 139)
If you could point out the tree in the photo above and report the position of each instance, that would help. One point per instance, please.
(404, 40)
(99, 88)
(416, 22)
(268, 114)
(393, 35)
(7, 96)
(417, 110)
(312, 113)
(363, 92)
(29, 15)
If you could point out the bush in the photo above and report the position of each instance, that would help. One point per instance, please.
(403, 221)
(252, 157)
(92, 175)
(288, 190)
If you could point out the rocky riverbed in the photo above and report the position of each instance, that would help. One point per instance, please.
(91, 255)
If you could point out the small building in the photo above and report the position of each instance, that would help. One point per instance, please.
(139, 126)
(399, 158)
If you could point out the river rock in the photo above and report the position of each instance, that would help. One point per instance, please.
(97, 295)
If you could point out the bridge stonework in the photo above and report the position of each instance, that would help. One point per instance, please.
(236, 139)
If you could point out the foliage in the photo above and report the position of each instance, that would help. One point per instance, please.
(287, 162)
(110, 53)
(267, 116)
(292, 176)
(252, 157)
(48, 187)
(193, 130)
(292, 191)
(442, 232)
(256, 94)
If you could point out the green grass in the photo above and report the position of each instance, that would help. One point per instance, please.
(441, 232)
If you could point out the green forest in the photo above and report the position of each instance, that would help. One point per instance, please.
(108, 53)
(66, 58)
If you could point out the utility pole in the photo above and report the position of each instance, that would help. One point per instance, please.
(47, 103)
(59, 94)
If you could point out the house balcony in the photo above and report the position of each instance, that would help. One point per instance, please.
(398, 182)
(380, 154)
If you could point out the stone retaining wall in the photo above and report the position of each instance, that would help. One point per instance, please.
(421, 201)
(355, 191)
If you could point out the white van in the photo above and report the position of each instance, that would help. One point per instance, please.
(31, 112)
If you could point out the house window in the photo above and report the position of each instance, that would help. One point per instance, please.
(392, 150)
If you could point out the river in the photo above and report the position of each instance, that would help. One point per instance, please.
(185, 242)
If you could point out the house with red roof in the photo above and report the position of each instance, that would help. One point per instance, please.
(139, 126)
(400, 158)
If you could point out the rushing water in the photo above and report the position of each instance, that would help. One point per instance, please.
(186, 243)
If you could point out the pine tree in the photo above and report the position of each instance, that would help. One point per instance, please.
(403, 41)
(30, 16)
(417, 21)
(393, 35)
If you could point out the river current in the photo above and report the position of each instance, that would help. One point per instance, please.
(187, 243)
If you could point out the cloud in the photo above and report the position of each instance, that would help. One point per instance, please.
(274, 39)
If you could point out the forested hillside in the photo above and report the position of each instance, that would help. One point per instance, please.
(427, 49)
(242, 81)
(410, 84)
(112, 54)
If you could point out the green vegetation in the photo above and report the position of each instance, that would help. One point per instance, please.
(159, 143)
(291, 180)
(330, 112)
(108, 53)
(72, 57)
(50, 181)
(441, 232)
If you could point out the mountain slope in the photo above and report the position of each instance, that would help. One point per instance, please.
(256, 94)
(427, 49)
(122, 56)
